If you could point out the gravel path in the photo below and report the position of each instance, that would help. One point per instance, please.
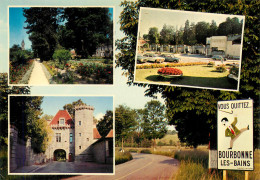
(38, 77)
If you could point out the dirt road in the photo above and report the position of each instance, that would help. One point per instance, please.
(143, 166)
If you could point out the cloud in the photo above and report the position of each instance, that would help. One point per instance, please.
(99, 116)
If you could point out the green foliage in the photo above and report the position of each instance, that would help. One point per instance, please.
(221, 68)
(154, 125)
(62, 55)
(25, 112)
(4, 91)
(153, 35)
(27, 75)
(146, 151)
(122, 157)
(124, 122)
(185, 105)
(42, 25)
(70, 107)
(105, 124)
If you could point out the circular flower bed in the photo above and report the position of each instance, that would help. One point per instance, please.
(170, 71)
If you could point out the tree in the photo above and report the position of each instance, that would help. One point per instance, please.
(166, 35)
(154, 124)
(153, 35)
(213, 29)
(4, 91)
(86, 29)
(105, 124)
(202, 102)
(25, 112)
(42, 25)
(62, 55)
(124, 122)
(230, 27)
(202, 29)
(70, 107)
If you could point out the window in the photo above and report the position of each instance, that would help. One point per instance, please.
(80, 123)
(71, 137)
(62, 121)
(58, 137)
(79, 147)
(87, 139)
(79, 134)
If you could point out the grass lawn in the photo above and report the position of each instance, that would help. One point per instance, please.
(199, 75)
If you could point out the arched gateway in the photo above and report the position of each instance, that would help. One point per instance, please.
(59, 155)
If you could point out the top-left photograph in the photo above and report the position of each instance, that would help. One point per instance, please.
(61, 45)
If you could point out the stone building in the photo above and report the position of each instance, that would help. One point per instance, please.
(104, 51)
(74, 137)
(23, 45)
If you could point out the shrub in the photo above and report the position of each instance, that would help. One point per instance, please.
(146, 151)
(62, 55)
(221, 68)
(121, 157)
(234, 70)
(170, 71)
(210, 64)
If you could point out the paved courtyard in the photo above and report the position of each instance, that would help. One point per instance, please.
(67, 167)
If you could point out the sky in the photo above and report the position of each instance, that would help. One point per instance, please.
(52, 104)
(155, 17)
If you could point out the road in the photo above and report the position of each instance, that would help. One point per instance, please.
(142, 167)
(185, 58)
(38, 77)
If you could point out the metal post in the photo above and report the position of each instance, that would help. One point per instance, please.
(225, 177)
(246, 175)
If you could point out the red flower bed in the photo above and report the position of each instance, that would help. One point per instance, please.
(169, 71)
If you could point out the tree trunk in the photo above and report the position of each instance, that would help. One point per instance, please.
(122, 145)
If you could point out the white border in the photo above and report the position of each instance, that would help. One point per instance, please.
(189, 12)
(58, 6)
(8, 150)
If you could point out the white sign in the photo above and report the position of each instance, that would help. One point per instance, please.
(235, 135)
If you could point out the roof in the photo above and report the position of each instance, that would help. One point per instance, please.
(62, 114)
(110, 134)
(96, 134)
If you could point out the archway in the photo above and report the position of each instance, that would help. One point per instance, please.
(59, 155)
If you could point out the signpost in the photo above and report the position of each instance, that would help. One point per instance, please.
(235, 135)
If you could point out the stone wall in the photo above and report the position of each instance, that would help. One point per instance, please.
(21, 152)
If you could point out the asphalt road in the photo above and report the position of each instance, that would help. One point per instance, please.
(74, 167)
(142, 167)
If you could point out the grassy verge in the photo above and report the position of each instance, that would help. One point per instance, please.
(199, 75)
(27, 75)
(122, 157)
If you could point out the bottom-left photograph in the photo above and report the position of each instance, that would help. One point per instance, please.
(61, 135)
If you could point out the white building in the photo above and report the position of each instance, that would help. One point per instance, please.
(228, 46)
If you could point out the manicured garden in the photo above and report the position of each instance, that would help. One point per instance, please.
(190, 74)
(85, 71)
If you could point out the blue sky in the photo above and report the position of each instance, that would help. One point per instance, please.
(52, 104)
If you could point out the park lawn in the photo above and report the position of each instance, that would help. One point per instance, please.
(200, 75)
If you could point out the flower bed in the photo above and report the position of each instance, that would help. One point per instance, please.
(18, 71)
(221, 68)
(170, 71)
(150, 66)
(80, 72)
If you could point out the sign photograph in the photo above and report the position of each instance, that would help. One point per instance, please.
(235, 135)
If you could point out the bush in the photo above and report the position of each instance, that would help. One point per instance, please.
(221, 68)
(122, 157)
(62, 55)
(234, 70)
(210, 64)
(146, 151)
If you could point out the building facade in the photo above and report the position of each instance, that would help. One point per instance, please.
(73, 136)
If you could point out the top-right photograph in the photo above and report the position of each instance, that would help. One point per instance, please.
(189, 49)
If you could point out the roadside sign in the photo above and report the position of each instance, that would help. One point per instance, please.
(235, 135)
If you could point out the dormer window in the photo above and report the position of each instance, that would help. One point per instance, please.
(62, 121)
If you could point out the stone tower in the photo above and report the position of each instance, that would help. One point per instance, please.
(22, 45)
(83, 132)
